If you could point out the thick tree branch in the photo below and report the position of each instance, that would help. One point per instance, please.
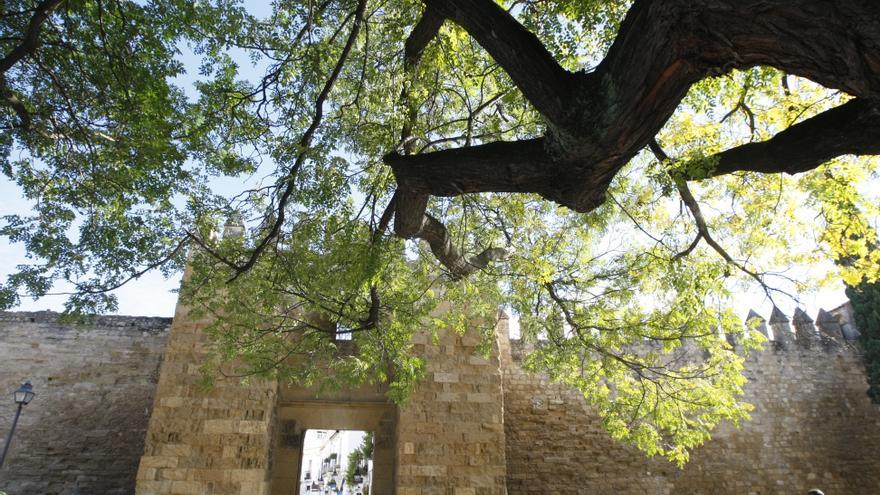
(851, 128)
(8, 98)
(410, 218)
(663, 47)
(525, 59)
(422, 34)
(32, 36)
(435, 234)
(409, 213)
(518, 166)
(29, 44)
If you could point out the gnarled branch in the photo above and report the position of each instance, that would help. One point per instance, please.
(600, 120)
(410, 218)
(32, 36)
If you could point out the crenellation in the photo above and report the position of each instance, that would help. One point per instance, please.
(829, 325)
(844, 315)
(813, 426)
(759, 324)
(234, 226)
(732, 339)
(783, 337)
(805, 330)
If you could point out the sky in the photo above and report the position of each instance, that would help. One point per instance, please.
(153, 295)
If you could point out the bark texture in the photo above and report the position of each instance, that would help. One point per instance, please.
(598, 121)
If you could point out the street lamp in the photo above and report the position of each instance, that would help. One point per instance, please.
(22, 397)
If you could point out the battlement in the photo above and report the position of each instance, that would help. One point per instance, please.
(812, 426)
(830, 329)
(476, 424)
(833, 331)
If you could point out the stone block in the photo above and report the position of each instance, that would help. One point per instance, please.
(187, 488)
(430, 470)
(218, 426)
(159, 461)
(252, 427)
(247, 475)
(441, 377)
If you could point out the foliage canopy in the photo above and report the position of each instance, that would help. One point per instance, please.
(612, 171)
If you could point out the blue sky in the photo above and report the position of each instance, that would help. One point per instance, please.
(149, 296)
(152, 294)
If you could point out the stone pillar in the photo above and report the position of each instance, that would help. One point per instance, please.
(779, 323)
(451, 431)
(234, 226)
(804, 328)
(213, 441)
(829, 326)
(844, 315)
(731, 339)
(761, 326)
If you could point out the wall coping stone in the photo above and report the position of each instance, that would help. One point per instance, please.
(152, 324)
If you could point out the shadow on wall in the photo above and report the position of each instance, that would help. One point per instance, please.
(84, 431)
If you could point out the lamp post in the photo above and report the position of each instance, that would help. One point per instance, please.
(22, 397)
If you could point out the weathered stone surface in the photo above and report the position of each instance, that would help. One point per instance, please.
(813, 427)
(451, 432)
(84, 431)
(805, 329)
(205, 441)
(477, 425)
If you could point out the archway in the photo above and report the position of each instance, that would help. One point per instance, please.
(296, 416)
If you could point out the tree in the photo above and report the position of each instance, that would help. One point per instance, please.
(357, 460)
(610, 170)
(865, 299)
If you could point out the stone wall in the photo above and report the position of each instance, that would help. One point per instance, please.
(451, 431)
(84, 431)
(233, 439)
(477, 425)
(205, 441)
(813, 427)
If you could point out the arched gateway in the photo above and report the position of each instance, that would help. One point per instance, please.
(364, 409)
